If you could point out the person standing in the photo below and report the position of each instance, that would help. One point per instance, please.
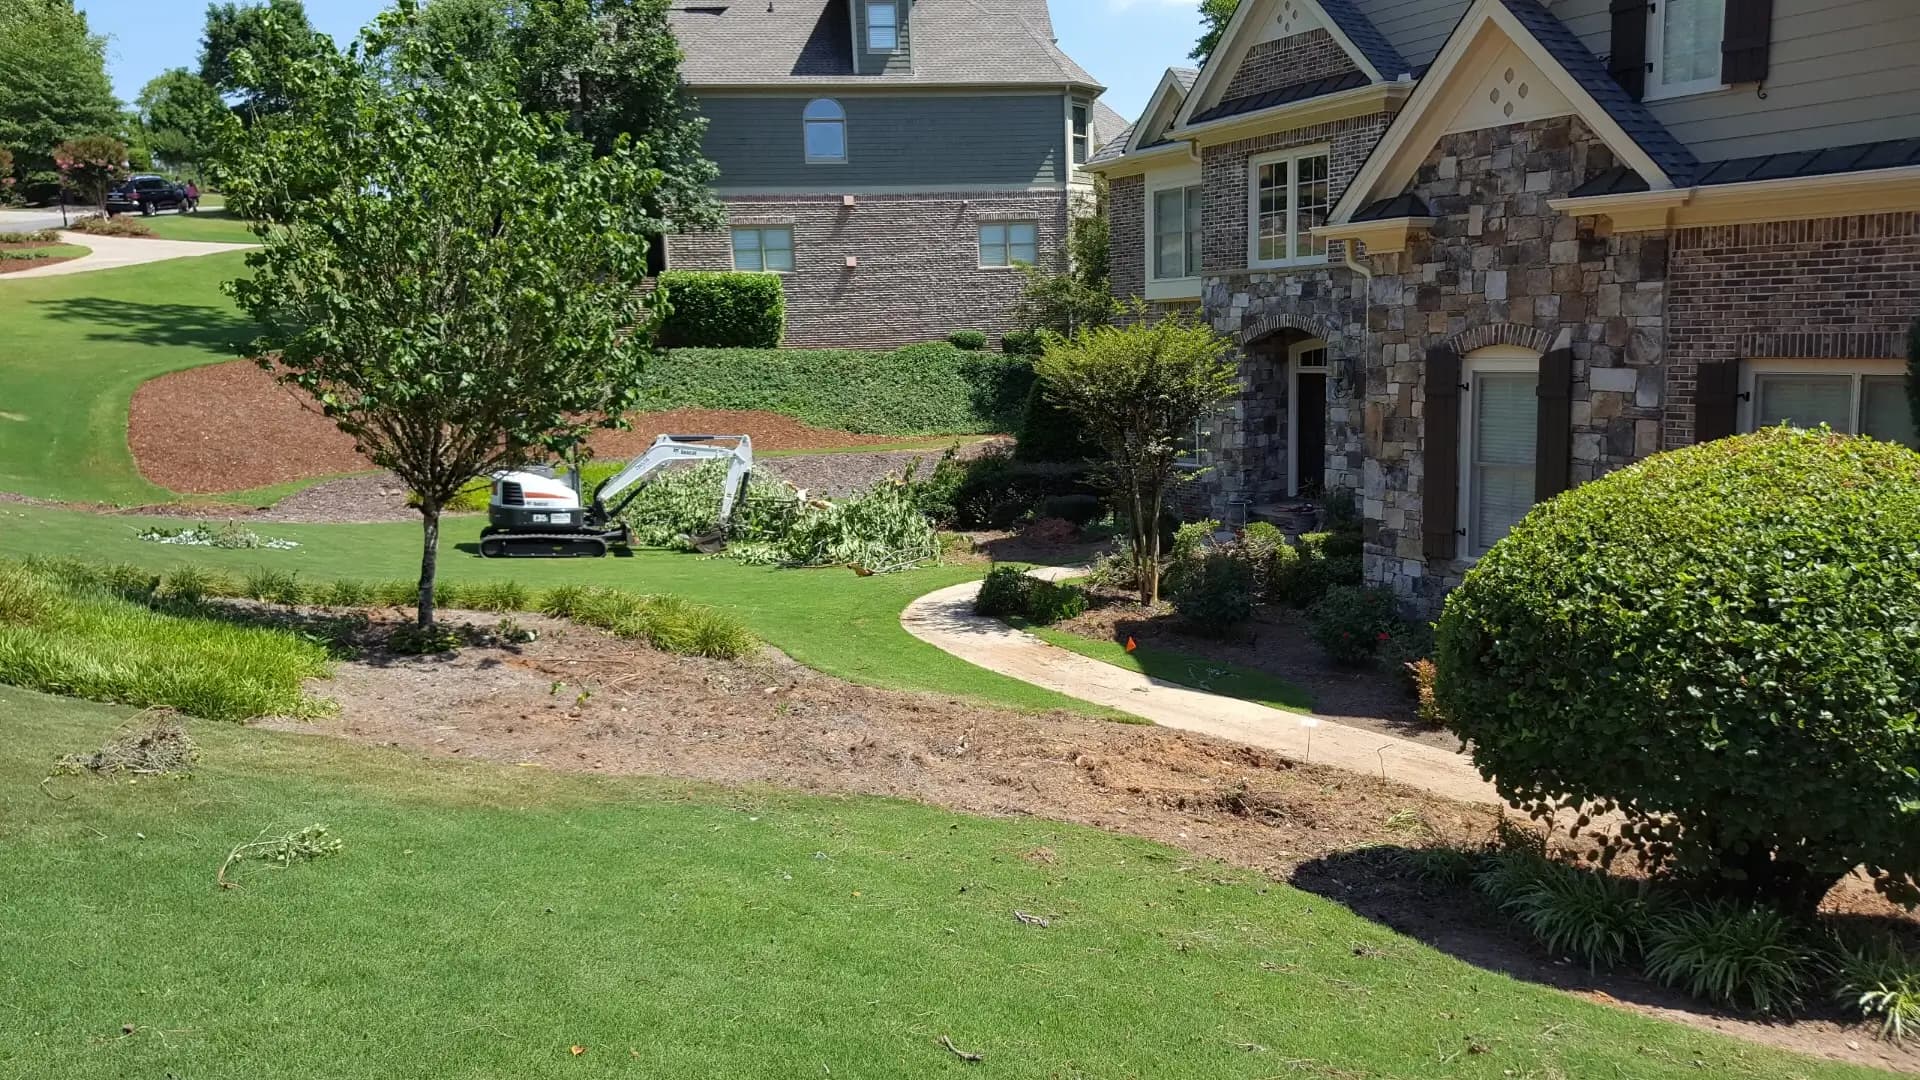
(193, 197)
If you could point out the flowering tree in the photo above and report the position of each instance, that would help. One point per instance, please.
(92, 164)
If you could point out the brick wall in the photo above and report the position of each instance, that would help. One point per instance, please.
(1834, 287)
(918, 276)
(1223, 172)
(1273, 64)
(1127, 235)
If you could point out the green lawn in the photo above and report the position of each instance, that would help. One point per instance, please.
(828, 619)
(75, 349)
(16, 259)
(1167, 665)
(210, 224)
(481, 921)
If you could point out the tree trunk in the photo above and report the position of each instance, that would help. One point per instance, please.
(429, 560)
(1153, 541)
(1144, 559)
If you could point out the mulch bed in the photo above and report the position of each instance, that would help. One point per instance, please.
(231, 427)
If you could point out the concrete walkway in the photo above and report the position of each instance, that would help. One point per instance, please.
(112, 251)
(945, 619)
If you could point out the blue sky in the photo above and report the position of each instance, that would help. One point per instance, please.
(1126, 44)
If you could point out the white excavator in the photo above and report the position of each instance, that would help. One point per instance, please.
(534, 515)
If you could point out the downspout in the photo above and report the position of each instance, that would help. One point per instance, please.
(1366, 336)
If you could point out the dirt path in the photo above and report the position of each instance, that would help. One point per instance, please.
(946, 620)
(109, 252)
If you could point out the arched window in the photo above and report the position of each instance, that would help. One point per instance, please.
(825, 124)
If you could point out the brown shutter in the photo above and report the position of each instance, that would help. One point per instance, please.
(1553, 445)
(1746, 41)
(1629, 60)
(1440, 505)
(1716, 400)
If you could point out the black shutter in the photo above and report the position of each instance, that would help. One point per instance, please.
(1716, 400)
(1553, 445)
(1746, 41)
(1440, 505)
(1629, 61)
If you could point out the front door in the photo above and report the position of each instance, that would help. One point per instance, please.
(1310, 463)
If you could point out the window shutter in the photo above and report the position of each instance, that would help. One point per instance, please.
(1553, 450)
(1440, 506)
(1629, 45)
(1716, 400)
(1746, 41)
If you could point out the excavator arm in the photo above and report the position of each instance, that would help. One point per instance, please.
(668, 449)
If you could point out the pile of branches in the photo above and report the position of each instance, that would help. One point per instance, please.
(151, 744)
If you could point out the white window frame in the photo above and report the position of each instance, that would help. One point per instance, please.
(892, 7)
(1752, 371)
(808, 120)
(760, 242)
(1202, 444)
(1295, 239)
(1657, 86)
(1005, 223)
(1296, 364)
(1186, 286)
(1492, 359)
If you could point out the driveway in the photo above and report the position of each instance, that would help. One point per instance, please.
(111, 251)
(35, 220)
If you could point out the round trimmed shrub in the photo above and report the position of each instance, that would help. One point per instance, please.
(970, 340)
(1353, 622)
(1215, 594)
(1004, 592)
(1722, 643)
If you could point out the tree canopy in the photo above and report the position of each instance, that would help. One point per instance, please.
(275, 35)
(453, 283)
(180, 117)
(1214, 16)
(53, 84)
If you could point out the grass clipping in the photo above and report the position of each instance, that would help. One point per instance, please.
(151, 744)
(280, 852)
(876, 531)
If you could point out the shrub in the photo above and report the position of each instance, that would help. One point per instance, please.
(1049, 602)
(495, 596)
(1183, 551)
(680, 626)
(191, 585)
(1352, 622)
(1593, 917)
(1050, 433)
(920, 390)
(1731, 954)
(1321, 561)
(44, 236)
(345, 594)
(970, 340)
(1003, 592)
(561, 601)
(1216, 595)
(1050, 531)
(1022, 343)
(97, 225)
(273, 587)
(998, 491)
(396, 593)
(1721, 642)
(718, 309)
(1880, 979)
(1081, 510)
(877, 531)
(1423, 673)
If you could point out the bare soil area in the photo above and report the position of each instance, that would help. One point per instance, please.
(577, 700)
(231, 427)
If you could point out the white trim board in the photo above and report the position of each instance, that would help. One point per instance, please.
(1485, 33)
(1168, 92)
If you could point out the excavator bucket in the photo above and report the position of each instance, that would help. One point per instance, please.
(712, 543)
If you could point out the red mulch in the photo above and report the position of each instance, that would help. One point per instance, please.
(231, 427)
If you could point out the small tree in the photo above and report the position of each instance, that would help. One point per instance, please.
(1139, 390)
(1077, 292)
(457, 295)
(92, 164)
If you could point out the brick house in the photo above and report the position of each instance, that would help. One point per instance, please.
(1474, 252)
(890, 159)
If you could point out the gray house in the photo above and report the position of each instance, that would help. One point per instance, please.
(892, 160)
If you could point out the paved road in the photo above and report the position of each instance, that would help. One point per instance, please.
(35, 220)
(945, 619)
(111, 251)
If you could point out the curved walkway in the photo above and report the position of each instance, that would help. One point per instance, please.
(945, 619)
(112, 251)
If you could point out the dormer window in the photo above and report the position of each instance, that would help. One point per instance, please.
(1683, 40)
(883, 27)
(824, 124)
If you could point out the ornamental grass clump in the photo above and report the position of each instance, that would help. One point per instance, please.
(1722, 645)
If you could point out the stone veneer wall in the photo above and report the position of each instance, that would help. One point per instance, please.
(1273, 64)
(918, 276)
(1501, 267)
(1835, 287)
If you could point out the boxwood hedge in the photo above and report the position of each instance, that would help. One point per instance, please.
(722, 309)
(933, 389)
(1722, 643)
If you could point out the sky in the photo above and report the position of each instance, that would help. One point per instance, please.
(1126, 44)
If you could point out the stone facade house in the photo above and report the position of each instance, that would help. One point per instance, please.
(1474, 252)
(890, 159)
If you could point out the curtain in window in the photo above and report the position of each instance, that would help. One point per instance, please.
(1690, 33)
(1169, 233)
(1805, 401)
(1884, 412)
(1193, 230)
(1505, 427)
(763, 249)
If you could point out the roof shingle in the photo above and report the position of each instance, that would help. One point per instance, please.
(1283, 95)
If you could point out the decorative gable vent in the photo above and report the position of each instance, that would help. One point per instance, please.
(1291, 17)
(1512, 91)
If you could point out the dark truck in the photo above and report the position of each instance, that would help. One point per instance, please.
(147, 194)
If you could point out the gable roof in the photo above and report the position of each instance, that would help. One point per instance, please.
(802, 42)
(1283, 95)
(1371, 52)
(1578, 77)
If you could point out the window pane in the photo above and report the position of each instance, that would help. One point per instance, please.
(1272, 201)
(1169, 233)
(1805, 401)
(1022, 242)
(882, 32)
(746, 249)
(1690, 32)
(1884, 412)
(1311, 203)
(779, 259)
(1505, 417)
(993, 234)
(826, 140)
(776, 239)
(1194, 239)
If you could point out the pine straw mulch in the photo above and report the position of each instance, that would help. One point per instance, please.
(231, 427)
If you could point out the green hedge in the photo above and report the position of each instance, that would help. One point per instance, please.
(919, 390)
(722, 309)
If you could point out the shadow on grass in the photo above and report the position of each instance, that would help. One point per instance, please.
(150, 323)
(473, 548)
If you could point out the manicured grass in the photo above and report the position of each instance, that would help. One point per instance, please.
(828, 619)
(1213, 676)
(75, 349)
(481, 921)
(15, 259)
(210, 224)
